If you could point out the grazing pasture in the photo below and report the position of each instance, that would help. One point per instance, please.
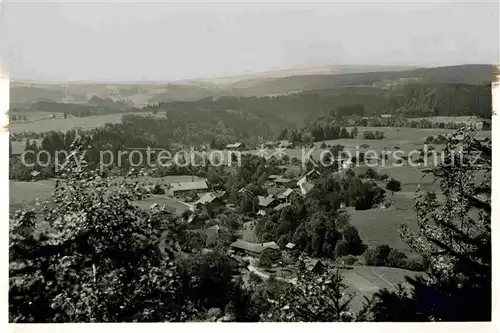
(39, 122)
(367, 280)
(50, 124)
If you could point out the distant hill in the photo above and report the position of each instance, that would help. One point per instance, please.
(253, 78)
(469, 74)
(259, 84)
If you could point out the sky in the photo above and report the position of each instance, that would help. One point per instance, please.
(160, 41)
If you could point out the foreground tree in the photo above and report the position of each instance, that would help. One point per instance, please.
(393, 185)
(454, 238)
(311, 298)
(97, 259)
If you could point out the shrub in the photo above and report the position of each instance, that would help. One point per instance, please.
(157, 189)
(268, 257)
(341, 248)
(377, 256)
(393, 185)
(348, 260)
(396, 259)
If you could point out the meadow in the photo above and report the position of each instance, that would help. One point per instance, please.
(61, 124)
(27, 193)
(39, 122)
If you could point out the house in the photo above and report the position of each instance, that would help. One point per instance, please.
(304, 185)
(197, 186)
(221, 194)
(275, 191)
(236, 146)
(248, 248)
(313, 265)
(270, 144)
(271, 245)
(313, 174)
(290, 246)
(261, 212)
(285, 182)
(194, 222)
(286, 194)
(280, 193)
(285, 144)
(210, 201)
(266, 202)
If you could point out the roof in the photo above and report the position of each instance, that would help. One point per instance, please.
(271, 245)
(220, 193)
(265, 201)
(207, 198)
(281, 206)
(188, 186)
(244, 245)
(234, 145)
(282, 180)
(254, 247)
(313, 171)
(305, 187)
(274, 176)
(290, 246)
(287, 192)
(285, 143)
(261, 212)
(311, 264)
(276, 191)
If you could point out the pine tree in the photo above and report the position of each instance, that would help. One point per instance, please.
(454, 238)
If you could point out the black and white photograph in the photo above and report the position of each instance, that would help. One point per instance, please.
(243, 162)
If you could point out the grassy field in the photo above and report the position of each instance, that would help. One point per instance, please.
(380, 226)
(33, 116)
(65, 124)
(442, 119)
(23, 193)
(366, 280)
(41, 122)
(407, 139)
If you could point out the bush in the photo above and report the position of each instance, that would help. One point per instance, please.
(348, 260)
(341, 248)
(370, 173)
(268, 257)
(377, 256)
(393, 185)
(396, 259)
(414, 265)
(157, 189)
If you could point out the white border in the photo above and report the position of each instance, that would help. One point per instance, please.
(232, 327)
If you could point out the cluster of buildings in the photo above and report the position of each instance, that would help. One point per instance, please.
(240, 146)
